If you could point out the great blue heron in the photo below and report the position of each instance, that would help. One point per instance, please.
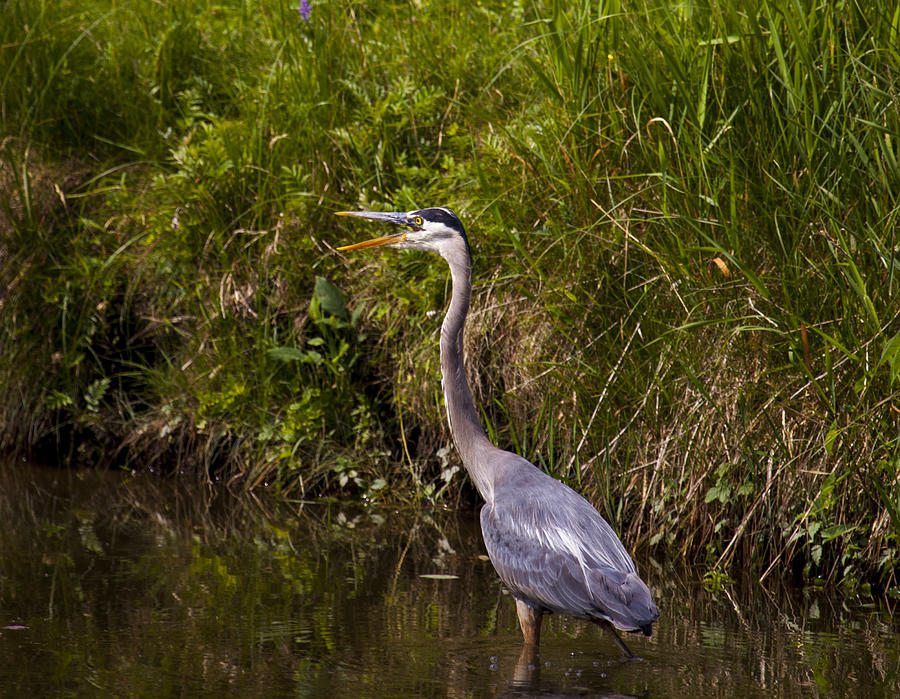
(553, 550)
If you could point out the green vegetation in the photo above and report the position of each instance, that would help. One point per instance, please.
(684, 219)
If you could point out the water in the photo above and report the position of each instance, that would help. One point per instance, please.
(139, 586)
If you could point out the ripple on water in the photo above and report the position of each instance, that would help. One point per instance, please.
(129, 585)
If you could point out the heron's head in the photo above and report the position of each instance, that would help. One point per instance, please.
(435, 230)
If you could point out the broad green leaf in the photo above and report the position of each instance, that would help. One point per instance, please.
(330, 298)
(286, 354)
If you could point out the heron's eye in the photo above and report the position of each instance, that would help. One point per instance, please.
(418, 220)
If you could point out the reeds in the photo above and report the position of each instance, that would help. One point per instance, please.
(684, 225)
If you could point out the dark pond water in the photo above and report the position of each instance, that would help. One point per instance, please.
(133, 586)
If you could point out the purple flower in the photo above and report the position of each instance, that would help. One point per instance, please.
(304, 10)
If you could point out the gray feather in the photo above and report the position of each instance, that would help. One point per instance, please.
(555, 551)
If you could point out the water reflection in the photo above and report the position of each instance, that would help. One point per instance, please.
(134, 586)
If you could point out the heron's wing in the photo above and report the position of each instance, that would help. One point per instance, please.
(562, 559)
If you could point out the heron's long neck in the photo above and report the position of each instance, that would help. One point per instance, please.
(468, 434)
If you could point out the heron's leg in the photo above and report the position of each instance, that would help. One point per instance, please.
(611, 630)
(530, 621)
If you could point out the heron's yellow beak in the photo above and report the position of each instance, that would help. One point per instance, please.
(386, 240)
(398, 218)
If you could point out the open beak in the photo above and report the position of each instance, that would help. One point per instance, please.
(396, 217)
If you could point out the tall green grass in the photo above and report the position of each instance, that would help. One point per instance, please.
(683, 218)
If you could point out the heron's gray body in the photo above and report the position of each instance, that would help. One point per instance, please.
(555, 552)
(551, 548)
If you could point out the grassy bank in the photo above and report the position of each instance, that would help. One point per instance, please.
(684, 222)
